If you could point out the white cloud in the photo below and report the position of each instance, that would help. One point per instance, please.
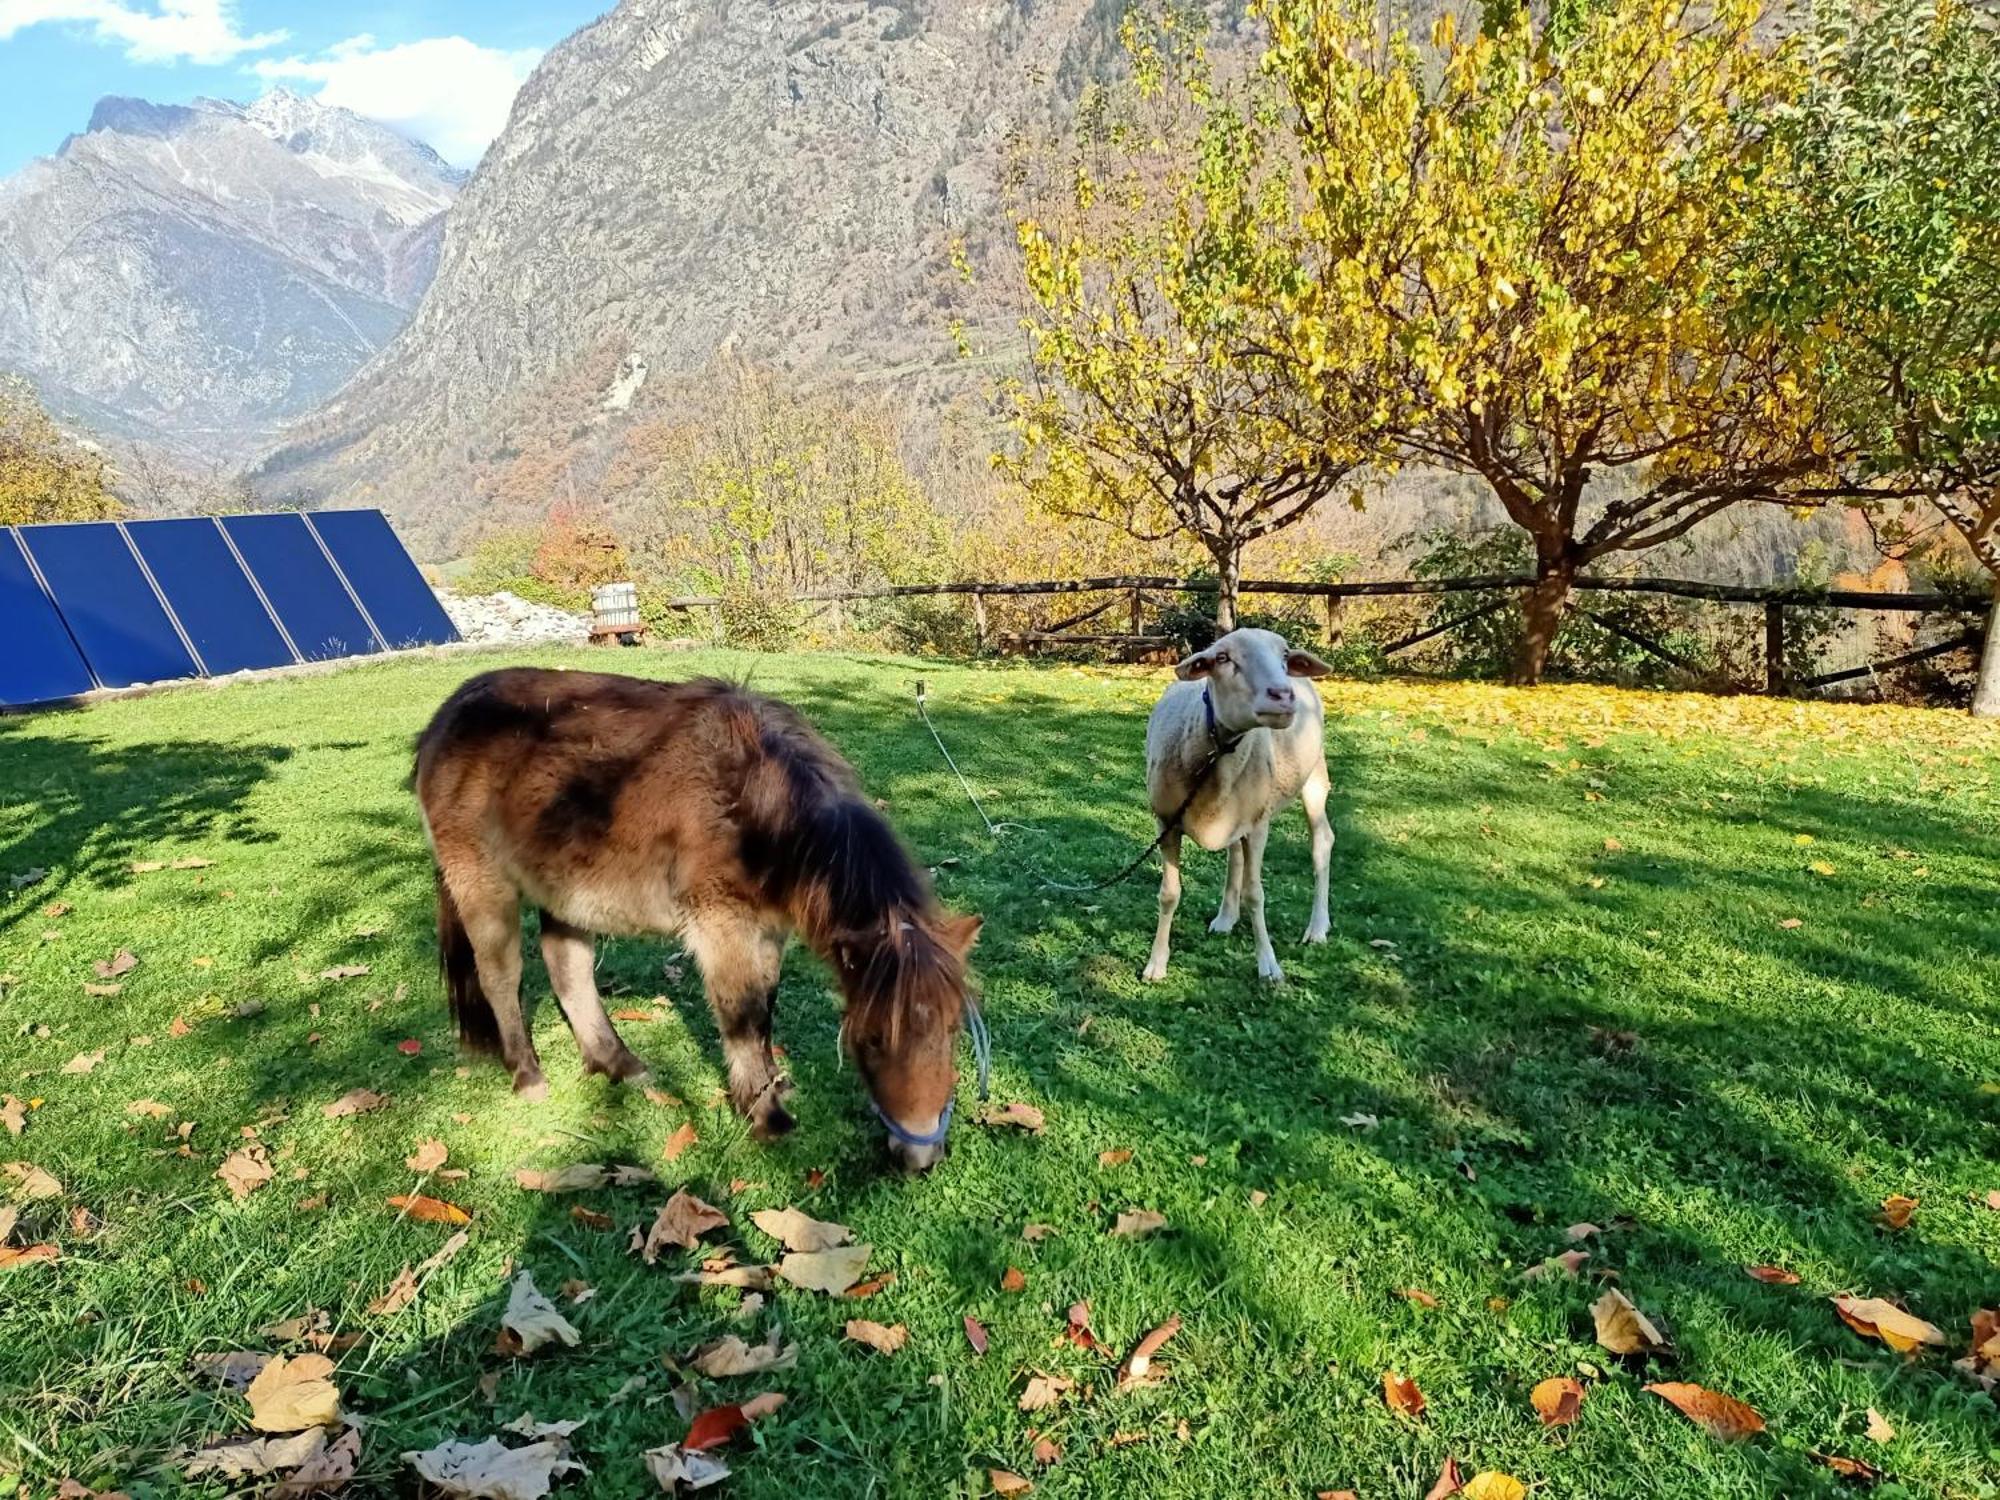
(450, 93)
(200, 31)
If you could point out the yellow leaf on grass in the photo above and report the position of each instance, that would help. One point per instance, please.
(1772, 1275)
(429, 1210)
(830, 1271)
(1492, 1485)
(1879, 1430)
(887, 1338)
(290, 1395)
(1873, 1318)
(1722, 1416)
(428, 1157)
(1897, 1210)
(797, 1231)
(1402, 1394)
(245, 1171)
(1005, 1482)
(678, 1142)
(1622, 1328)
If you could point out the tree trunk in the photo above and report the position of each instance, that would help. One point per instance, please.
(1228, 554)
(1986, 693)
(1541, 614)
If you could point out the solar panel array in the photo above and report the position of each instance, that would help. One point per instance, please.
(95, 604)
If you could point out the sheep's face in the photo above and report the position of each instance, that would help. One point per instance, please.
(1249, 677)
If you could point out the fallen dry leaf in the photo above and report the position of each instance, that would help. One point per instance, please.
(1402, 1394)
(1622, 1328)
(290, 1395)
(797, 1231)
(673, 1468)
(1020, 1116)
(83, 1062)
(103, 991)
(682, 1221)
(1113, 1158)
(1138, 1364)
(1570, 1263)
(1418, 1295)
(590, 1218)
(1046, 1451)
(327, 1471)
(1857, 1469)
(1773, 1275)
(975, 1334)
(13, 1114)
(678, 1142)
(531, 1320)
(1558, 1400)
(887, 1338)
(1005, 1482)
(490, 1470)
(1722, 1416)
(1449, 1482)
(1335, 1495)
(1043, 1391)
(151, 1108)
(1897, 1209)
(355, 1102)
(12, 1256)
(235, 1369)
(428, 1157)
(1873, 1318)
(429, 1210)
(830, 1271)
(731, 1356)
(1138, 1222)
(1014, 1280)
(748, 1278)
(401, 1293)
(344, 971)
(1879, 1430)
(719, 1424)
(1492, 1485)
(581, 1177)
(247, 1457)
(245, 1171)
(1035, 1233)
(869, 1287)
(123, 962)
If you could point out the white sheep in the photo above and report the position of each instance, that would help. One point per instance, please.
(1243, 703)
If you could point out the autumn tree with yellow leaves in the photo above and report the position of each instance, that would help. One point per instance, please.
(45, 476)
(1542, 221)
(1159, 260)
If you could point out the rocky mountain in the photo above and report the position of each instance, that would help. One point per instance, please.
(780, 179)
(191, 276)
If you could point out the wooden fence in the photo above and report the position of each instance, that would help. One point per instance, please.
(1131, 590)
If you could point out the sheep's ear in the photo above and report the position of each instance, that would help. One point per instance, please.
(1305, 664)
(1198, 665)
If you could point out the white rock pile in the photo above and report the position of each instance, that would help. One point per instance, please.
(505, 619)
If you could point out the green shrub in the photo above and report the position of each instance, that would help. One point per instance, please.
(758, 619)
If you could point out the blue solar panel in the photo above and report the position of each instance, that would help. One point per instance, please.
(208, 593)
(405, 611)
(111, 609)
(38, 660)
(302, 586)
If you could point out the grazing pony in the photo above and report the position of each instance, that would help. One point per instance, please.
(1237, 737)
(700, 809)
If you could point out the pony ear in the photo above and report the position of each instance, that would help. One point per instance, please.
(1198, 665)
(959, 932)
(1305, 664)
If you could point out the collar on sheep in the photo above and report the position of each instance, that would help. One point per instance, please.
(1222, 746)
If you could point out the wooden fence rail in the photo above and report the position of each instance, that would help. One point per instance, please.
(1775, 599)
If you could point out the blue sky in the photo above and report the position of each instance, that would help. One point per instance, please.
(441, 70)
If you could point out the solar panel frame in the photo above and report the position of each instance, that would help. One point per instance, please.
(221, 610)
(110, 603)
(306, 590)
(40, 661)
(385, 581)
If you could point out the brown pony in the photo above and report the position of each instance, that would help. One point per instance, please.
(618, 805)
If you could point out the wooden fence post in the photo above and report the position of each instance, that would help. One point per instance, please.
(1332, 603)
(1774, 647)
(1137, 616)
(979, 618)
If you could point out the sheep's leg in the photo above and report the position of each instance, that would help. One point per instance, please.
(1170, 900)
(1253, 900)
(1232, 892)
(739, 963)
(1313, 795)
(571, 961)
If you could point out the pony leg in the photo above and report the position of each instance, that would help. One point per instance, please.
(571, 961)
(1253, 900)
(1313, 795)
(1232, 892)
(492, 916)
(1170, 900)
(739, 962)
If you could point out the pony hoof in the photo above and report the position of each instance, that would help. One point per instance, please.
(775, 1123)
(1223, 924)
(531, 1086)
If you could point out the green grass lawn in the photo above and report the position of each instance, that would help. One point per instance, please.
(1716, 975)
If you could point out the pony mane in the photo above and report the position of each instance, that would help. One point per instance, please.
(905, 973)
